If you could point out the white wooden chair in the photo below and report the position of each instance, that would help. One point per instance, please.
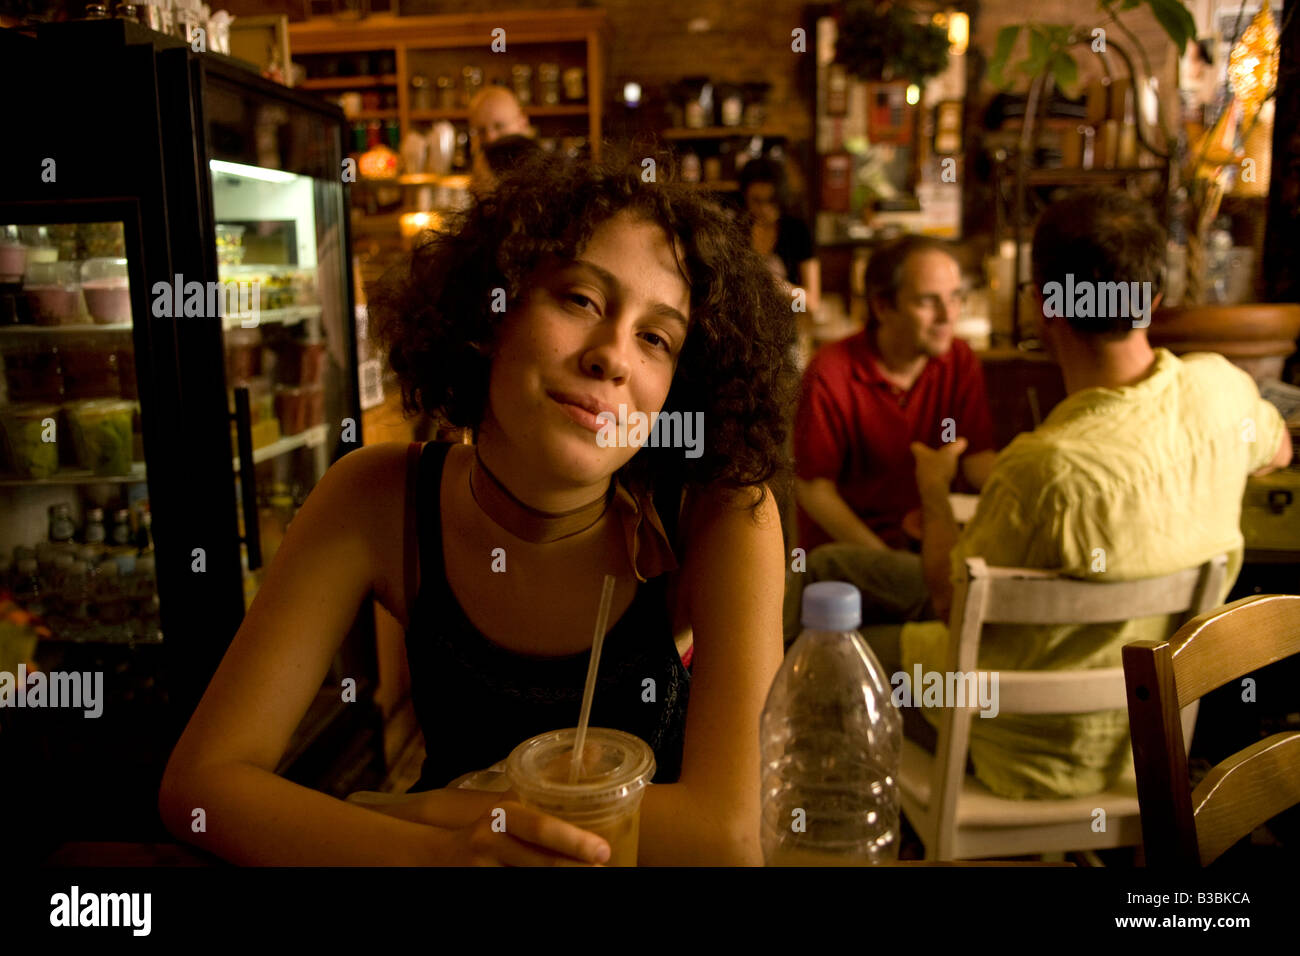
(957, 817)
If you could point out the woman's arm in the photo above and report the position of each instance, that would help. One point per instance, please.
(732, 585)
(224, 763)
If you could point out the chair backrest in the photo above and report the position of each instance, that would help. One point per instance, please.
(1193, 828)
(991, 595)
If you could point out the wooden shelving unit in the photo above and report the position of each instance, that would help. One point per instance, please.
(531, 37)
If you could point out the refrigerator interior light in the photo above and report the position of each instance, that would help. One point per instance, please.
(251, 172)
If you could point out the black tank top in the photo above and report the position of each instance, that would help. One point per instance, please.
(476, 700)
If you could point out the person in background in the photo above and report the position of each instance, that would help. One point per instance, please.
(501, 157)
(495, 112)
(865, 401)
(1138, 472)
(781, 239)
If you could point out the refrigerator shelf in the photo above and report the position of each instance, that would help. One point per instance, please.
(287, 316)
(21, 330)
(309, 438)
(80, 476)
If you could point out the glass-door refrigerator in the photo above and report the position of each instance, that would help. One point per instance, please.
(179, 356)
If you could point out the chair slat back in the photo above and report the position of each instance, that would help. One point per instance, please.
(1032, 596)
(1214, 648)
(1220, 646)
(1250, 787)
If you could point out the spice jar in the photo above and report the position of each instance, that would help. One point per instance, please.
(575, 86)
(421, 92)
(521, 78)
(548, 79)
(471, 81)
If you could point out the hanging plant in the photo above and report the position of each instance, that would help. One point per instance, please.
(884, 42)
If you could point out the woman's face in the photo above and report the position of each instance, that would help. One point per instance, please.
(603, 330)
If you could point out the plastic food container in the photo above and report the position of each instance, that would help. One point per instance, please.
(25, 427)
(243, 354)
(230, 244)
(90, 369)
(299, 408)
(102, 433)
(34, 373)
(13, 256)
(300, 363)
(53, 292)
(107, 289)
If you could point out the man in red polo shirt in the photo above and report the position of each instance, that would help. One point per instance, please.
(905, 379)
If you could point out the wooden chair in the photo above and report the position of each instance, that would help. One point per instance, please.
(955, 815)
(1181, 826)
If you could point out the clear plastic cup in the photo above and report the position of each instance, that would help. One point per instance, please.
(617, 768)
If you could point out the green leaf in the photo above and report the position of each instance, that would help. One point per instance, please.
(1006, 41)
(1176, 20)
(1065, 70)
(1040, 51)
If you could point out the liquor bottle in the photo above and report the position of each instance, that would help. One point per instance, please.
(144, 536)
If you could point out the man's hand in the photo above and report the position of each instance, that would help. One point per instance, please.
(936, 468)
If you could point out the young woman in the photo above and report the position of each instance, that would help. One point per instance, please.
(570, 291)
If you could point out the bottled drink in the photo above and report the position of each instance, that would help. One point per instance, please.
(61, 526)
(831, 739)
(95, 533)
(121, 527)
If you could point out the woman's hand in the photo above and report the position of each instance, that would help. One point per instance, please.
(511, 834)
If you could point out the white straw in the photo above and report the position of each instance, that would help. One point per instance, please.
(588, 692)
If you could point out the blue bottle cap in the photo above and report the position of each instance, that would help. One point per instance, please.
(832, 606)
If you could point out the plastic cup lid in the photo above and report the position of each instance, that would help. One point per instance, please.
(616, 765)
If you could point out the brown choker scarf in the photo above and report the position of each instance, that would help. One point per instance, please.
(648, 547)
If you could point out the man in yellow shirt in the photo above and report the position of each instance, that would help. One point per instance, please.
(1138, 472)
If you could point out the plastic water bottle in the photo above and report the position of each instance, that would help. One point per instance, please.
(831, 739)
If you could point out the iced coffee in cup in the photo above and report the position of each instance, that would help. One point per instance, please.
(606, 800)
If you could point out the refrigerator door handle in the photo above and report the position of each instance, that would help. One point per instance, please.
(247, 477)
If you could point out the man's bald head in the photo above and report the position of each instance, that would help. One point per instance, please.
(495, 113)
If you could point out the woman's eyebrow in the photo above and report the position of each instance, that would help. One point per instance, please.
(661, 309)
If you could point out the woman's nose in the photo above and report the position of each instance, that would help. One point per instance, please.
(607, 357)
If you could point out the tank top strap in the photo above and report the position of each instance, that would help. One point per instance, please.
(422, 529)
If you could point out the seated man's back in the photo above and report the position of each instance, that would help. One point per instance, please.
(1117, 484)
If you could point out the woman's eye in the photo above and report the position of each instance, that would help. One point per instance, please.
(658, 341)
(580, 300)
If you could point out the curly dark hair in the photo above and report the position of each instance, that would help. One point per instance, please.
(433, 313)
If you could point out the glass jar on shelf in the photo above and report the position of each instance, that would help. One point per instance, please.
(471, 82)
(521, 80)
(575, 84)
(548, 81)
(90, 368)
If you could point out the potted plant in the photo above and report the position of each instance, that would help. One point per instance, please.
(883, 42)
